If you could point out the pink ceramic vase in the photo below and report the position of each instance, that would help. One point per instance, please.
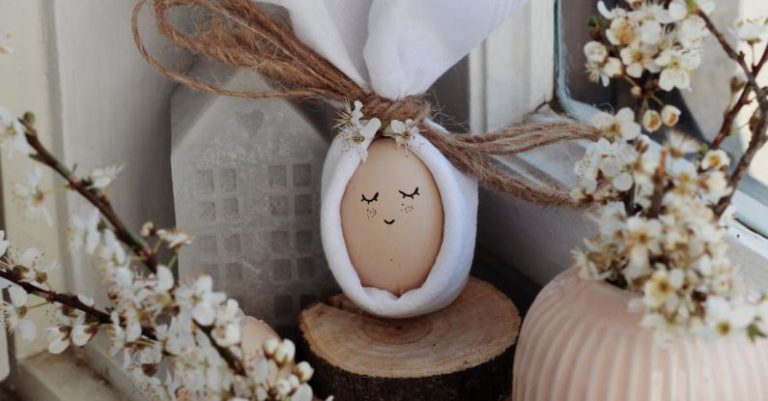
(580, 343)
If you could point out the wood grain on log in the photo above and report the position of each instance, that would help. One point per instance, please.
(463, 352)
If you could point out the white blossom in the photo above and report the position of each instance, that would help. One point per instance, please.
(715, 159)
(595, 52)
(31, 197)
(619, 126)
(638, 59)
(82, 334)
(681, 144)
(691, 33)
(174, 238)
(103, 177)
(603, 72)
(355, 131)
(165, 279)
(677, 66)
(652, 120)
(402, 131)
(662, 287)
(751, 30)
(304, 371)
(15, 312)
(227, 327)
(670, 115)
(12, 133)
(285, 352)
(84, 231)
(679, 10)
(202, 299)
(725, 318)
(622, 31)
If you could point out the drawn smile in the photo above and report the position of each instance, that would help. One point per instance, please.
(389, 221)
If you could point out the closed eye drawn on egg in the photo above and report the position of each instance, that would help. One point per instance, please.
(410, 195)
(374, 198)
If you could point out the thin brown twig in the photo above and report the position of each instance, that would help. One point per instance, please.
(55, 297)
(759, 128)
(96, 198)
(733, 112)
(738, 57)
(658, 186)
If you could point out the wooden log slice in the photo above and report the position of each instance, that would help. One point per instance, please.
(462, 352)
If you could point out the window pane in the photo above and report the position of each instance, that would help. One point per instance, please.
(702, 108)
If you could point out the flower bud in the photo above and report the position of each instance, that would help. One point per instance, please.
(651, 120)
(670, 115)
(304, 371)
(294, 382)
(270, 346)
(285, 352)
(283, 387)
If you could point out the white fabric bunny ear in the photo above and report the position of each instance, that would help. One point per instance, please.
(399, 48)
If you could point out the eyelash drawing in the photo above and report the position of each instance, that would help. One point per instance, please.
(373, 199)
(411, 195)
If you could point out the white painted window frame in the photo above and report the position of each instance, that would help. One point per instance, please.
(537, 240)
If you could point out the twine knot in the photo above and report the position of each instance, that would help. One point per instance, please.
(412, 107)
(241, 34)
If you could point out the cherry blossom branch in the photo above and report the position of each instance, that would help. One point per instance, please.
(733, 112)
(55, 297)
(759, 128)
(759, 139)
(71, 300)
(738, 57)
(93, 196)
(730, 117)
(126, 236)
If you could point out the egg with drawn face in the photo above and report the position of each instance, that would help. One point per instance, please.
(392, 219)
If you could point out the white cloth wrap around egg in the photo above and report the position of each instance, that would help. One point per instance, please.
(399, 48)
(449, 273)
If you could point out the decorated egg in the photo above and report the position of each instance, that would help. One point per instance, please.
(392, 218)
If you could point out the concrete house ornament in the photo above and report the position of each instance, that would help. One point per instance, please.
(399, 192)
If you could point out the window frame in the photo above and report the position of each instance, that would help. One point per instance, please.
(542, 248)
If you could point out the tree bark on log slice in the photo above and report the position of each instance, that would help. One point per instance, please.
(462, 352)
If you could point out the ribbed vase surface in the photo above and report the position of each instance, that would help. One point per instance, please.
(580, 343)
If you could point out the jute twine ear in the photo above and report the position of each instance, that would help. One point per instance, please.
(241, 34)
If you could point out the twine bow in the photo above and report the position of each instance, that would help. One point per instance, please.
(241, 34)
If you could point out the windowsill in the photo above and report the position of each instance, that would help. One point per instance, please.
(65, 377)
(538, 240)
